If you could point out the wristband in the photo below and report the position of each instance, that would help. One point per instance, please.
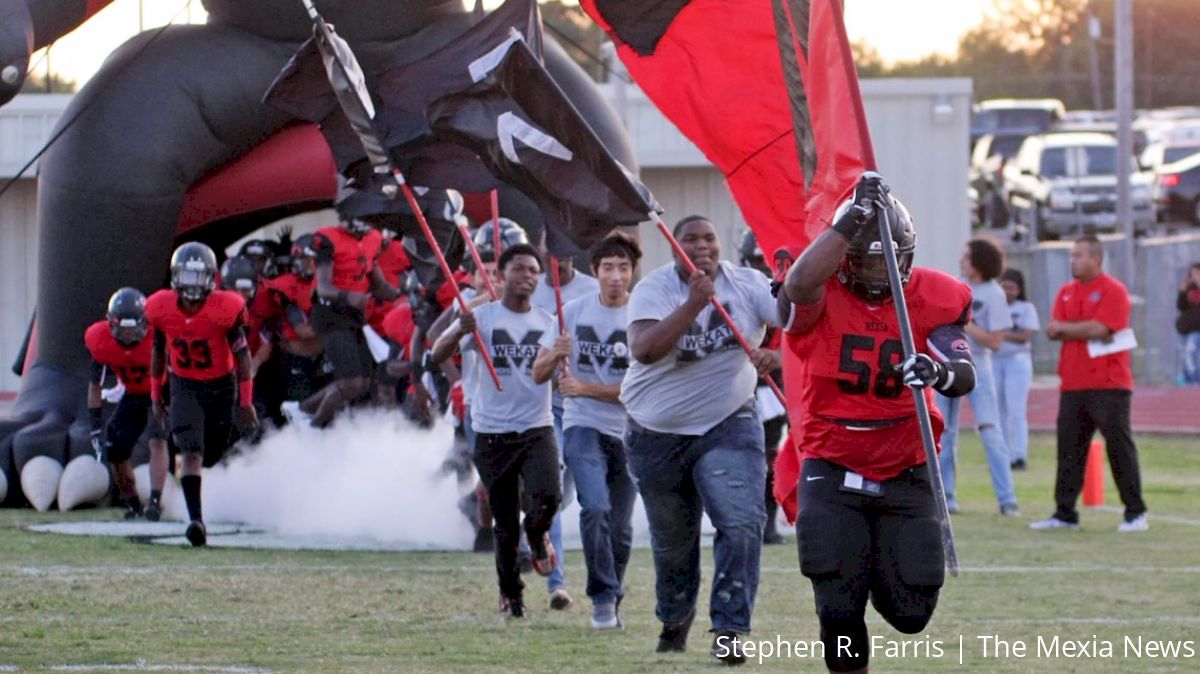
(155, 389)
(246, 392)
(97, 417)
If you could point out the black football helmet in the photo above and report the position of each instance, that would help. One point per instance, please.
(238, 274)
(127, 316)
(863, 269)
(357, 226)
(510, 235)
(304, 257)
(193, 271)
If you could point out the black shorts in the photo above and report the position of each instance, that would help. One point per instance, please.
(202, 415)
(854, 547)
(347, 350)
(133, 416)
(302, 375)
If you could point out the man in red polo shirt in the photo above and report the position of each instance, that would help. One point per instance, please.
(1096, 391)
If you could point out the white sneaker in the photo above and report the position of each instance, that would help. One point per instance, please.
(1052, 523)
(1138, 523)
(604, 617)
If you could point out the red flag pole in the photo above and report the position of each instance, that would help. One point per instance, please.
(737, 334)
(446, 272)
(487, 278)
(497, 241)
(557, 283)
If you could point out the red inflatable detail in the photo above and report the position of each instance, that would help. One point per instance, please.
(292, 166)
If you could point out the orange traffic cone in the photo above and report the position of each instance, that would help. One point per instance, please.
(1093, 476)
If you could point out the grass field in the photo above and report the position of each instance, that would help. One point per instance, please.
(95, 604)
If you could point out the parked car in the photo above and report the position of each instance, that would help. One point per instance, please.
(1065, 183)
(989, 205)
(1177, 190)
(1014, 116)
(1167, 152)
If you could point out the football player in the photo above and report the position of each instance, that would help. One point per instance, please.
(199, 335)
(867, 524)
(118, 344)
(300, 347)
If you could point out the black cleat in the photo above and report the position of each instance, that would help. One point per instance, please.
(727, 647)
(673, 638)
(132, 512)
(196, 534)
(153, 511)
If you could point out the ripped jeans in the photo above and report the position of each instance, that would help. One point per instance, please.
(682, 476)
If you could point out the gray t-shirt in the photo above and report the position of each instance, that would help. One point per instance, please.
(512, 339)
(708, 376)
(989, 310)
(1024, 317)
(469, 358)
(581, 285)
(599, 355)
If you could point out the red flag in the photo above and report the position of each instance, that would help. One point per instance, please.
(769, 93)
(719, 70)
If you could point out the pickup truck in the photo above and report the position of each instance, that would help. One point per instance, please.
(1066, 183)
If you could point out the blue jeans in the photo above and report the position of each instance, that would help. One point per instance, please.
(680, 477)
(987, 420)
(1014, 375)
(1189, 346)
(606, 497)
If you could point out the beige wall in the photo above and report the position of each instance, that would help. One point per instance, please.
(18, 273)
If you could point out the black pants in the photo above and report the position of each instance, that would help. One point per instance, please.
(129, 420)
(302, 375)
(340, 328)
(853, 547)
(201, 416)
(1080, 415)
(516, 468)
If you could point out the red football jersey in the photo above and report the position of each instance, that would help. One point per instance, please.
(132, 364)
(290, 289)
(197, 344)
(398, 325)
(847, 371)
(393, 261)
(353, 259)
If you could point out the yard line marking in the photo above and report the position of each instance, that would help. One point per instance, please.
(1174, 519)
(142, 666)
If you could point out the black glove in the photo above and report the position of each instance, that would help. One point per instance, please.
(97, 438)
(921, 371)
(869, 192)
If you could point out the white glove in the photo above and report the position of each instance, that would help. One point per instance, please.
(921, 371)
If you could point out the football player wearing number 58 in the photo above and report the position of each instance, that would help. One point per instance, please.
(867, 525)
(200, 339)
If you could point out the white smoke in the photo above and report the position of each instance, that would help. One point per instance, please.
(373, 475)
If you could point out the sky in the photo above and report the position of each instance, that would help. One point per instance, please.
(900, 29)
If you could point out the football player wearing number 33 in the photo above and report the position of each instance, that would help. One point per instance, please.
(867, 524)
(199, 337)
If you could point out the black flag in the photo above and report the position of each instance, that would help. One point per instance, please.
(509, 111)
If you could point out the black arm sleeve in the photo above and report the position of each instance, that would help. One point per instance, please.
(294, 315)
(237, 336)
(98, 372)
(948, 345)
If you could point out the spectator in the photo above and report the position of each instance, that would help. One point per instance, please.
(590, 360)
(1013, 367)
(981, 264)
(1188, 325)
(695, 441)
(1095, 391)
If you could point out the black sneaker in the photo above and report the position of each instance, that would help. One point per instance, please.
(673, 638)
(133, 510)
(511, 607)
(772, 538)
(153, 511)
(1019, 464)
(727, 647)
(196, 534)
